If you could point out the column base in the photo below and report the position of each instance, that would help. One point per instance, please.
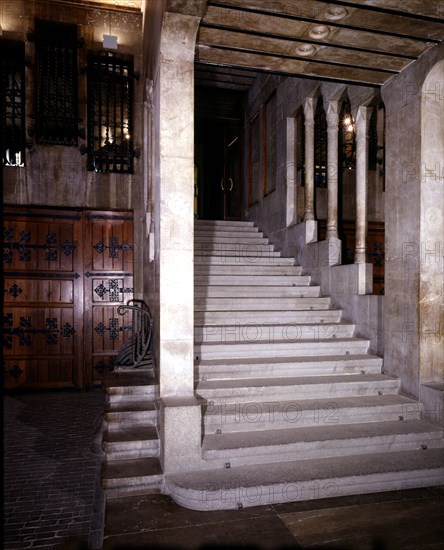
(181, 432)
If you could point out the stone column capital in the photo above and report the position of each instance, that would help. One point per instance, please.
(333, 115)
(309, 109)
(363, 116)
(333, 108)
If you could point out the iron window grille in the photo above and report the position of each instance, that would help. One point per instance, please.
(110, 94)
(12, 95)
(56, 59)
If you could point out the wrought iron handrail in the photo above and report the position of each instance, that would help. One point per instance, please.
(135, 352)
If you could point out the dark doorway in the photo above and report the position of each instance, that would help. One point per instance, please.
(218, 155)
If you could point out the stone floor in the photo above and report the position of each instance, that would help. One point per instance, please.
(51, 480)
(52, 499)
(410, 519)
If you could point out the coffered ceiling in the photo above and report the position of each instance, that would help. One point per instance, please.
(362, 41)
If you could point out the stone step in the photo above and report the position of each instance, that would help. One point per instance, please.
(255, 416)
(262, 332)
(283, 445)
(128, 394)
(132, 477)
(260, 270)
(131, 414)
(260, 281)
(245, 486)
(268, 316)
(277, 367)
(296, 388)
(126, 443)
(255, 304)
(237, 250)
(299, 348)
(207, 229)
(226, 237)
(224, 224)
(272, 259)
(257, 292)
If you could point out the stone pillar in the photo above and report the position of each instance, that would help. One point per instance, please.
(176, 204)
(428, 246)
(180, 412)
(332, 170)
(309, 112)
(362, 125)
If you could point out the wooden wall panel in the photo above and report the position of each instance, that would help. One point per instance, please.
(375, 248)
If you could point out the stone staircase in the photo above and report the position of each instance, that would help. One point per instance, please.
(130, 439)
(294, 406)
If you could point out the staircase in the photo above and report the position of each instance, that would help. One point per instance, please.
(130, 439)
(294, 406)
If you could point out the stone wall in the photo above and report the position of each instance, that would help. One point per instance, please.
(57, 175)
(270, 211)
(414, 348)
(282, 221)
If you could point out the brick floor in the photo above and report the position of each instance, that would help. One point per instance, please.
(52, 496)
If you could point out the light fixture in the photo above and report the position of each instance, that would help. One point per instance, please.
(335, 13)
(319, 32)
(305, 50)
(110, 42)
(348, 124)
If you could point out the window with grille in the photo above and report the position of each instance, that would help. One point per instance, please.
(12, 96)
(110, 92)
(56, 60)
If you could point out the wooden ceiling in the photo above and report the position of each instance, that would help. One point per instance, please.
(361, 42)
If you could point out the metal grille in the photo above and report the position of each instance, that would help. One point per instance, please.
(56, 57)
(320, 142)
(347, 136)
(110, 91)
(12, 55)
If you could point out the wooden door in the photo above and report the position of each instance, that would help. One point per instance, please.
(232, 185)
(43, 298)
(108, 277)
(220, 181)
(65, 274)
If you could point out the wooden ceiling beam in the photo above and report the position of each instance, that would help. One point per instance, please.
(290, 67)
(253, 43)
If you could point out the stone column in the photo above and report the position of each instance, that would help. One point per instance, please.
(332, 170)
(180, 412)
(309, 111)
(176, 203)
(362, 125)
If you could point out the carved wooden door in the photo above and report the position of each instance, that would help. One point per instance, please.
(43, 298)
(108, 276)
(65, 274)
